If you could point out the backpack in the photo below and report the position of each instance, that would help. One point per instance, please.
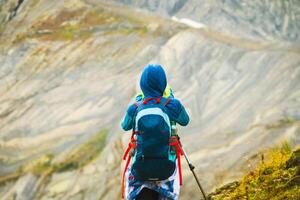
(153, 149)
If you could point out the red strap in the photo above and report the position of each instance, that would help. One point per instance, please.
(167, 102)
(131, 144)
(147, 100)
(179, 153)
(123, 177)
(136, 104)
(179, 167)
(133, 133)
(157, 101)
(126, 152)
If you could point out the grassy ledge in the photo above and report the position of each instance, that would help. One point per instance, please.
(276, 178)
(81, 24)
(76, 159)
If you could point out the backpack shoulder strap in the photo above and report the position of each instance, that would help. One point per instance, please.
(164, 101)
(136, 104)
(167, 102)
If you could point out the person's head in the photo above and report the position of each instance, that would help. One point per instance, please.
(153, 81)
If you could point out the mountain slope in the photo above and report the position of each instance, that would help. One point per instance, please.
(70, 68)
(264, 20)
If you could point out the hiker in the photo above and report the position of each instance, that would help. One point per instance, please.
(153, 170)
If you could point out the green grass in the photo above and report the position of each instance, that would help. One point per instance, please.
(2, 27)
(83, 155)
(76, 159)
(272, 179)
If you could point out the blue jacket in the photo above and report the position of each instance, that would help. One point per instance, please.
(153, 83)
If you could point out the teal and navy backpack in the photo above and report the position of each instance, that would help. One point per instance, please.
(153, 149)
(153, 159)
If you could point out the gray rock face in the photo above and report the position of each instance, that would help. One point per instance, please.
(70, 68)
(239, 99)
(9, 9)
(24, 189)
(163, 7)
(266, 20)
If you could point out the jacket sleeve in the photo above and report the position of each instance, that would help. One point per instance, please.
(128, 119)
(177, 112)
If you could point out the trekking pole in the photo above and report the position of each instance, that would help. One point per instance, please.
(192, 167)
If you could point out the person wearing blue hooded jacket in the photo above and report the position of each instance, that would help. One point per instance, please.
(153, 83)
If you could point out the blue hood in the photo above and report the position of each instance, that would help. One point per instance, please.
(153, 81)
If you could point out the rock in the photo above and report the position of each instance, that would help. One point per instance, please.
(253, 20)
(227, 187)
(24, 189)
(295, 181)
(9, 9)
(268, 171)
(294, 161)
(153, 27)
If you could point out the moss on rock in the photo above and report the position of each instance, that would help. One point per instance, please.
(276, 178)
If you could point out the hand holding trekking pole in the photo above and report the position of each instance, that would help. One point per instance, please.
(191, 166)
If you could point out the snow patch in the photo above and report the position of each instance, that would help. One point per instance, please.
(189, 22)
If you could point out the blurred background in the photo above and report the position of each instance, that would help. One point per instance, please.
(69, 69)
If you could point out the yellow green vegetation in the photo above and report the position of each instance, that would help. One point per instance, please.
(282, 123)
(2, 27)
(276, 178)
(81, 24)
(76, 159)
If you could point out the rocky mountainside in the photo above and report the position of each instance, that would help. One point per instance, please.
(264, 20)
(70, 68)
